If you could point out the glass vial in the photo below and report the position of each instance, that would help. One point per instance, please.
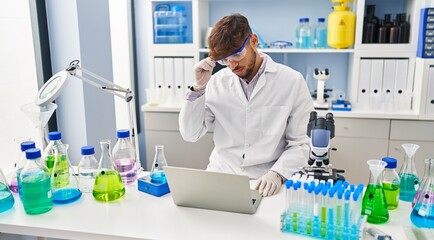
(408, 174)
(6, 199)
(87, 169)
(108, 183)
(422, 214)
(35, 183)
(55, 139)
(391, 183)
(374, 201)
(320, 34)
(157, 172)
(64, 182)
(124, 156)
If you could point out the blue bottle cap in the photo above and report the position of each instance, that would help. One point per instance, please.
(123, 133)
(54, 136)
(305, 185)
(352, 187)
(391, 162)
(87, 150)
(324, 191)
(33, 153)
(27, 145)
(347, 194)
(321, 19)
(289, 183)
(341, 192)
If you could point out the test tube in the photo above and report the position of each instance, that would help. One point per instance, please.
(331, 213)
(316, 208)
(324, 211)
(339, 210)
(347, 215)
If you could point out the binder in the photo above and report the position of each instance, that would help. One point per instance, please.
(376, 83)
(178, 66)
(429, 108)
(403, 90)
(364, 82)
(169, 75)
(158, 73)
(389, 82)
(188, 73)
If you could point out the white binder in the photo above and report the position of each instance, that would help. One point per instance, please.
(169, 76)
(389, 82)
(376, 84)
(364, 81)
(159, 73)
(429, 108)
(403, 91)
(188, 73)
(178, 66)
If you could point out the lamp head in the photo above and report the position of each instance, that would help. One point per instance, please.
(52, 88)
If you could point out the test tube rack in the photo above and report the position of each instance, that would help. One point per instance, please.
(323, 211)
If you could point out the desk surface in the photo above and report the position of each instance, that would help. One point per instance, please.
(141, 216)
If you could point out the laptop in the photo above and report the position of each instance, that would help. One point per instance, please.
(211, 190)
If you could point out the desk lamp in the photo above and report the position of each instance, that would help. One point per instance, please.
(57, 83)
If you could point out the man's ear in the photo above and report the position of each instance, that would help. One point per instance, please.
(254, 40)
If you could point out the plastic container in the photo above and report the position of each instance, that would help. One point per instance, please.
(391, 183)
(341, 25)
(320, 34)
(36, 188)
(124, 156)
(87, 169)
(170, 24)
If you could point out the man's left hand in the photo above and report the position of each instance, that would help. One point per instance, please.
(269, 184)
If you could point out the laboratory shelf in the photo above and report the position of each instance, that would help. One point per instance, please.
(295, 50)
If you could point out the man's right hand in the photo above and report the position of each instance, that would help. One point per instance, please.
(202, 73)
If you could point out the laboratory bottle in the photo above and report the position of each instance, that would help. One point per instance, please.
(374, 200)
(306, 35)
(370, 25)
(108, 182)
(341, 25)
(408, 174)
(382, 32)
(157, 171)
(422, 214)
(64, 182)
(394, 33)
(55, 139)
(423, 181)
(298, 40)
(124, 156)
(21, 160)
(320, 34)
(6, 199)
(36, 193)
(391, 183)
(87, 169)
(404, 29)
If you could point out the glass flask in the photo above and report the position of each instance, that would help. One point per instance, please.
(391, 183)
(422, 214)
(157, 172)
(64, 183)
(23, 144)
(36, 194)
(408, 174)
(87, 169)
(422, 182)
(6, 199)
(55, 139)
(108, 182)
(374, 201)
(124, 156)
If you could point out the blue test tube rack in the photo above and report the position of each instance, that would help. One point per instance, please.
(330, 212)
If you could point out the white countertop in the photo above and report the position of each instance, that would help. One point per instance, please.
(141, 216)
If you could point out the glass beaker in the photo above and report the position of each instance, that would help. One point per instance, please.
(374, 201)
(6, 199)
(422, 214)
(22, 144)
(408, 174)
(124, 156)
(108, 183)
(157, 172)
(64, 183)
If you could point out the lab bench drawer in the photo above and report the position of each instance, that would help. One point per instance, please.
(362, 128)
(412, 130)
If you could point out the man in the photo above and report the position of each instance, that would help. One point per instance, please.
(260, 109)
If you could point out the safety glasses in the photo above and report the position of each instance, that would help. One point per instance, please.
(236, 56)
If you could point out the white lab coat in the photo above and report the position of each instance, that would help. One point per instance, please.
(252, 137)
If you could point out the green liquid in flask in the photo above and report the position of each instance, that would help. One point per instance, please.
(391, 191)
(60, 173)
(108, 186)
(374, 204)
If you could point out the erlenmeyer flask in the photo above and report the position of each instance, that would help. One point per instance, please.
(108, 183)
(423, 181)
(22, 145)
(422, 214)
(408, 174)
(6, 199)
(157, 172)
(374, 201)
(64, 183)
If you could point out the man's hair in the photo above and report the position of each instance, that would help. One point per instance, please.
(227, 35)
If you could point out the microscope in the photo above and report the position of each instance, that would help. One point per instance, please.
(321, 76)
(321, 131)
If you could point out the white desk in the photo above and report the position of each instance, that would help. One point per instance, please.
(141, 216)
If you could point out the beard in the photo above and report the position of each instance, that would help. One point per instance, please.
(248, 69)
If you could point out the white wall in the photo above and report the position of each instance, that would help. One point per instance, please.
(18, 79)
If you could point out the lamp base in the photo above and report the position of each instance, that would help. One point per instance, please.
(145, 185)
